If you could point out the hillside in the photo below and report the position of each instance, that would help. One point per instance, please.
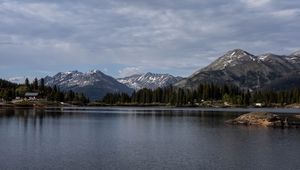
(247, 71)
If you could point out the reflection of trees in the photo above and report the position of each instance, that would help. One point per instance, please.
(28, 113)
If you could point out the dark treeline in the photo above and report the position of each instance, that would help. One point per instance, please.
(179, 96)
(9, 91)
(229, 94)
(282, 97)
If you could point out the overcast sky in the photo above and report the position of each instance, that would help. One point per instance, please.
(122, 37)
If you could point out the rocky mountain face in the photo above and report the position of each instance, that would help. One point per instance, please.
(93, 84)
(248, 71)
(149, 80)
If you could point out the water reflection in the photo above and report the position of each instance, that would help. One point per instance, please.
(34, 118)
(37, 116)
(26, 113)
(128, 138)
(28, 117)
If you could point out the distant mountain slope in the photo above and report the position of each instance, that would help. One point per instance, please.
(149, 80)
(93, 84)
(289, 81)
(246, 70)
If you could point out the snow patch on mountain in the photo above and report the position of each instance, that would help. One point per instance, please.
(263, 57)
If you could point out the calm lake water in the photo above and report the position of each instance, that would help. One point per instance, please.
(138, 138)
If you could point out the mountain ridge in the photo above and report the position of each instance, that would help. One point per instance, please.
(149, 80)
(245, 70)
(94, 84)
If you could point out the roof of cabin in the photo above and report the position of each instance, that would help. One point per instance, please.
(31, 94)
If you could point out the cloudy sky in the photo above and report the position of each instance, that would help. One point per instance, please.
(122, 37)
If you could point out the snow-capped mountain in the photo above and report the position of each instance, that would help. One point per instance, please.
(149, 80)
(246, 70)
(231, 59)
(94, 84)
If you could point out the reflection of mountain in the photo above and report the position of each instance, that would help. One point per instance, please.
(94, 84)
(248, 71)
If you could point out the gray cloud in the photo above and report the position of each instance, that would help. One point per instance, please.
(158, 35)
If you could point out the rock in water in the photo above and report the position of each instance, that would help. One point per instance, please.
(259, 119)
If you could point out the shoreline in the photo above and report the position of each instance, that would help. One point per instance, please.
(208, 104)
(61, 104)
(293, 111)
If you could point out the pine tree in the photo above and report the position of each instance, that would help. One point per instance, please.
(42, 84)
(27, 83)
(35, 84)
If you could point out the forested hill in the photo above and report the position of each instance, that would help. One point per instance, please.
(6, 84)
(9, 91)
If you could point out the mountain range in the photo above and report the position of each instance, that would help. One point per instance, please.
(249, 71)
(95, 84)
(239, 67)
(149, 80)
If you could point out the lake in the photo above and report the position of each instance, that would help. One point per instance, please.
(142, 138)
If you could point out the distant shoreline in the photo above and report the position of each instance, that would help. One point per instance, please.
(159, 107)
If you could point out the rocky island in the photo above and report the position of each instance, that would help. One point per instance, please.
(265, 119)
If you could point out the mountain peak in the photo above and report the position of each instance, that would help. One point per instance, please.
(74, 71)
(93, 84)
(70, 72)
(67, 73)
(237, 52)
(149, 74)
(95, 72)
(231, 58)
(154, 74)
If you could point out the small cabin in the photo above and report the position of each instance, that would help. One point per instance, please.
(31, 95)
